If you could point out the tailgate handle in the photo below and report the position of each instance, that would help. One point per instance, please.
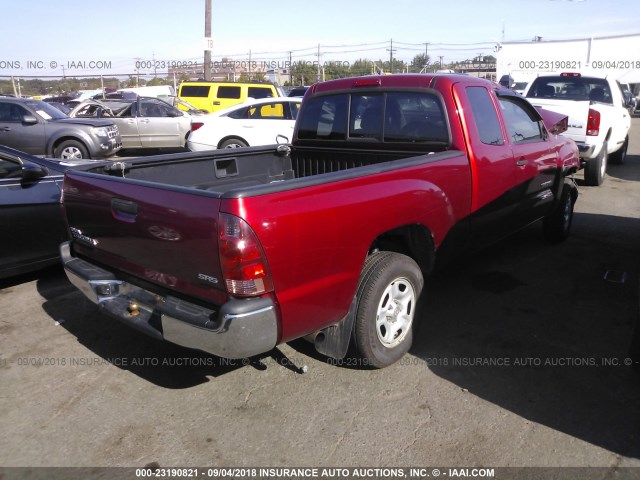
(124, 210)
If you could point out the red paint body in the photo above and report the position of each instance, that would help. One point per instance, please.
(316, 237)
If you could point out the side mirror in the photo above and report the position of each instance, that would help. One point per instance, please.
(33, 171)
(29, 119)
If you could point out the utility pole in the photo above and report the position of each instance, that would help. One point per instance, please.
(207, 34)
(290, 70)
(318, 74)
(441, 57)
(155, 70)
(391, 50)
(426, 58)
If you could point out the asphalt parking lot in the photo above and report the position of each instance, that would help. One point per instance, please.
(521, 360)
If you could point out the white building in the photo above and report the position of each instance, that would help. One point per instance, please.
(617, 56)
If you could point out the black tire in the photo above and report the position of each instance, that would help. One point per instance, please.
(390, 281)
(595, 170)
(71, 150)
(620, 157)
(557, 225)
(233, 143)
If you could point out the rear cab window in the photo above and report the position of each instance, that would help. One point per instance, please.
(377, 117)
(571, 88)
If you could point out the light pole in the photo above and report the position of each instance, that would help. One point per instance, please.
(207, 34)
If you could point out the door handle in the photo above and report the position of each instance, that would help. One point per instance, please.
(124, 210)
(5, 129)
(522, 163)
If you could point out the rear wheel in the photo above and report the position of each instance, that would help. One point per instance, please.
(233, 143)
(71, 150)
(596, 168)
(620, 157)
(388, 293)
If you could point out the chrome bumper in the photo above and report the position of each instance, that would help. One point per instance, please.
(586, 151)
(240, 328)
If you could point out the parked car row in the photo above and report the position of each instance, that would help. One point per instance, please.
(245, 114)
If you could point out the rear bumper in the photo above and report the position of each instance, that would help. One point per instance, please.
(587, 151)
(240, 328)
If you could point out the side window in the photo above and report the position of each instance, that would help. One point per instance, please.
(240, 113)
(201, 91)
(271, 110)
(9, 169)
(485, 116)
(228, 92)
(295, 108)
(522, 123)
(161, 109)
(10, 112)
(260, 92)
(150, 108)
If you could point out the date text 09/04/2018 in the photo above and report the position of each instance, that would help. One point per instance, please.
(577, 65)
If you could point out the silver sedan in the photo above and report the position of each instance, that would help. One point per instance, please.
(145, 122)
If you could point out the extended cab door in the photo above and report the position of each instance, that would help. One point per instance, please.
(535, 159)
(494, 193)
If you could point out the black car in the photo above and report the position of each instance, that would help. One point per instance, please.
(31, 222)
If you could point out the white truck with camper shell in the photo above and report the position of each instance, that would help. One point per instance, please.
(599, 118)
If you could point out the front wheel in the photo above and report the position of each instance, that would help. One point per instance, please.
(388, 293)
(71, 150)
(596, 168)
(557, 225)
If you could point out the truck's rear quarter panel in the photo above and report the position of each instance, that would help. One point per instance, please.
(316, 238)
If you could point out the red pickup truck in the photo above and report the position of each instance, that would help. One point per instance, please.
(235, 251)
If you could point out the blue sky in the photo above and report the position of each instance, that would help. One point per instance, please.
(56, 33)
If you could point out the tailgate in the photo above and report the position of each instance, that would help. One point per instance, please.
(577, 111)
(163, 235)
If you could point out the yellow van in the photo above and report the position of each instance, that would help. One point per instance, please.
(212, 96)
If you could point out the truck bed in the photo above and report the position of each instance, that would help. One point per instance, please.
(228, 174)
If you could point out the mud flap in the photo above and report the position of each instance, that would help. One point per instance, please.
(334, 341)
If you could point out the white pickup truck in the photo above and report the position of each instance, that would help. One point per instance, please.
(599, 120)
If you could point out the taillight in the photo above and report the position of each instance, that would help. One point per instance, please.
(196, 125)
(593, 123)
(244, 265)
